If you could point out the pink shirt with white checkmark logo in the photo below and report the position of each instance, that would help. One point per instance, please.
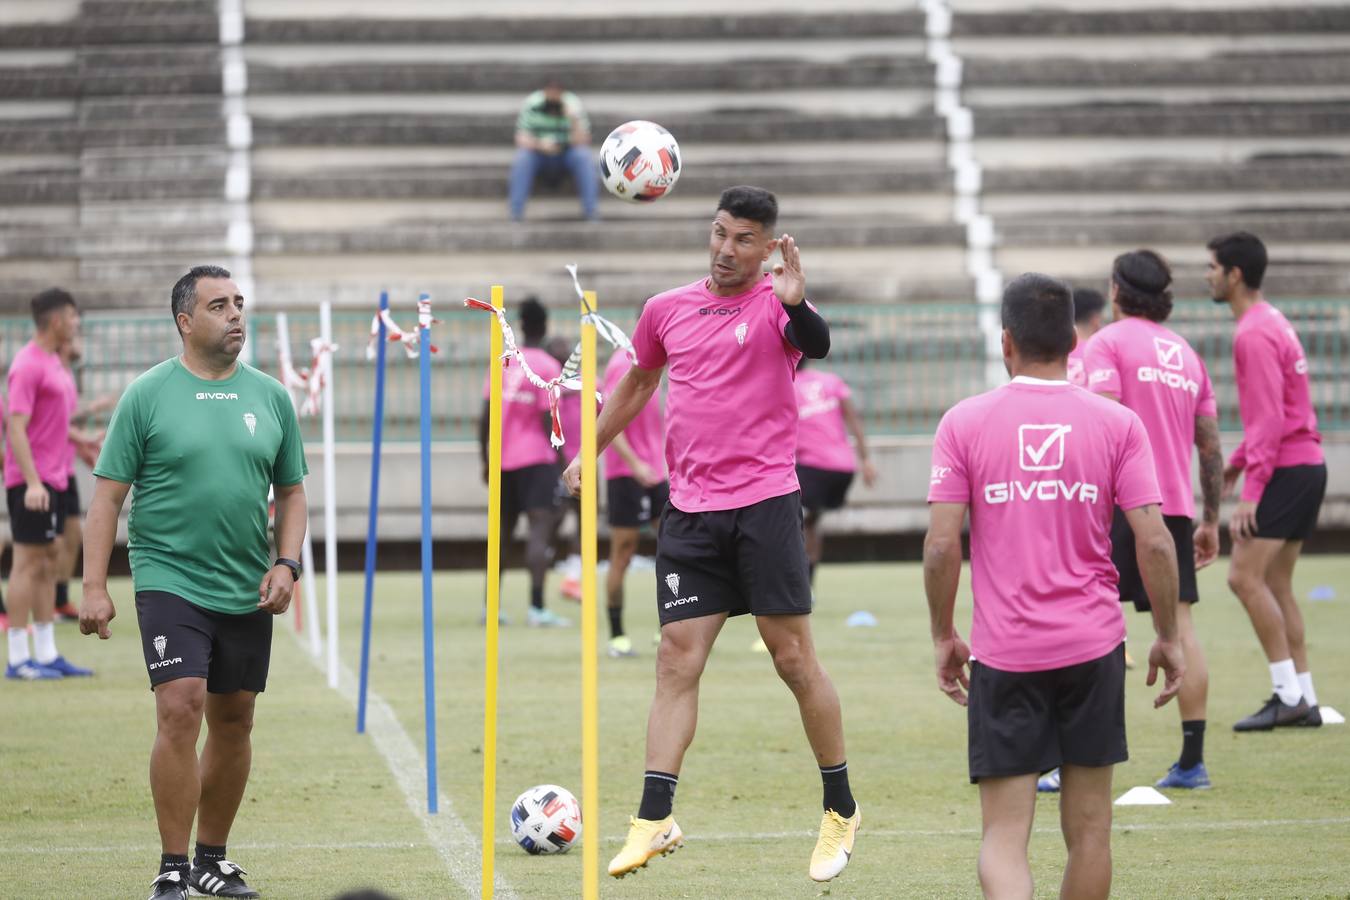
(1041, 466)
(1153, 370)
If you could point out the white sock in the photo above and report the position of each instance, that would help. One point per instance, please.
(44, 642)
(1305, 682)
(1285, 680)
(18, 646)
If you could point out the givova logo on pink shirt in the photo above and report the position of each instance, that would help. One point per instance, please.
(1040, 448)
(1169, 354)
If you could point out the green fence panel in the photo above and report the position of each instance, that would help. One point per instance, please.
(907, 363)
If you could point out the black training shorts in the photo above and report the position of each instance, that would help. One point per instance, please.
(531, 487)
(823, 489)
(1027, 723)
(70, 499)
(1290, 503)
(182, 640)
(32, 527)
(736, 561)
(1127, 565)
(631, 505)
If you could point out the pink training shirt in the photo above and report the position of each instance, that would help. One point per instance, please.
(646, 434)
(40, 387)
(1156, 373)
(524, 408)
(822, 438)
(1279, 426)
(731, 413)
(1077, 364)
(1042, 465)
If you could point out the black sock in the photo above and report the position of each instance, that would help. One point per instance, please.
(537, 596)
(173, 862)
(62, 593)
(208, 854)
(837, 795)
(658, 795)
(1192, 743)
(615, 621)
(811, 572)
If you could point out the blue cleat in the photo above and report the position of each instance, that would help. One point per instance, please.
(67, 669)
(1194, 778)
(1049, 782)
(31, 671)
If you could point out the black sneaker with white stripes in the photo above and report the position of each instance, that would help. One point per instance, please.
(169, 886)
(219, 879)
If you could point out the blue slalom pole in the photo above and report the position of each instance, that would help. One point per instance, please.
(371, 545)
(428, 642)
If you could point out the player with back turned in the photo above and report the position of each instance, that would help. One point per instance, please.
(731, 540)
(1041, 465)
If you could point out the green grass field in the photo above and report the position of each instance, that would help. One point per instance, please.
(324, 811)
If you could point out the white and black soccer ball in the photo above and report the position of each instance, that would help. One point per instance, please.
(546, 819)
(640, 162)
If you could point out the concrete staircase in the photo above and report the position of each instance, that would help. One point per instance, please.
(1103, 127)
(112, 151)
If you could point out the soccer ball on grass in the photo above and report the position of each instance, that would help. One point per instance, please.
(546, 819)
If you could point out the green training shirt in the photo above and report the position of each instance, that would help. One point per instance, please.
(200, 456)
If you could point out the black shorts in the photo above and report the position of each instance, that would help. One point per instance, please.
(533, 487)
(182, 640)
(1027, 723)
(736, 561)
(1290, 503)
(70, 499)
(631, 505)
(1127, 566)
(29, 527)
(823, 489)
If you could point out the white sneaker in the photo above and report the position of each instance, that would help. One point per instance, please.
(545, 618)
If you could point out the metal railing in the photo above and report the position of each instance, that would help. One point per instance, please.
(907, 364)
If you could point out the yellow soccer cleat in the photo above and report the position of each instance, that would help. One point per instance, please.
(835, 844)
(647, 838)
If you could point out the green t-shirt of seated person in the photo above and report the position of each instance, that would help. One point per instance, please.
(200, 456)
(537, 119)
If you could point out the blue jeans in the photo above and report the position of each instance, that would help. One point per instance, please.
(575, 160)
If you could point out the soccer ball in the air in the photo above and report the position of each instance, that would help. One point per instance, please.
(640, 161)
(546, 819)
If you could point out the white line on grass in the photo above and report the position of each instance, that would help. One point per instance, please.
(449, 836)
(715, 838)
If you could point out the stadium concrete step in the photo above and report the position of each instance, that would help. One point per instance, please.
(1120, 19)
(546, 28)
(1258, 174)
(1312, 225)
(1158, 120)
(40, 186)
(414, 130)
(470, 181)
(1238, 69)
(655, 77)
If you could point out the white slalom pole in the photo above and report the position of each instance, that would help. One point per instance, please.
(329, 492)
(309, 596)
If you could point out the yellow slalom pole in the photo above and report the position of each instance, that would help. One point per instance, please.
(494, 587)
(590, 713)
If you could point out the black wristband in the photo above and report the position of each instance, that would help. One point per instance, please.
(291, 564)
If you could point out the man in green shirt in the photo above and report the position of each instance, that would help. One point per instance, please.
(202, 437)
(552, 137)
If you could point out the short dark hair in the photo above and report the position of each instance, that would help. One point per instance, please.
(184, 294)
(48, 302)
(1038, 314)
(1087, 303)
(533, 319)
(753, 203)
(1244, 250)
(1142, 279)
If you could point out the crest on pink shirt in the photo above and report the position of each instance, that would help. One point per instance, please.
(741, 331)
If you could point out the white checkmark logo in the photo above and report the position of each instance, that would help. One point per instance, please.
(1169, 353)
(1031, 457)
